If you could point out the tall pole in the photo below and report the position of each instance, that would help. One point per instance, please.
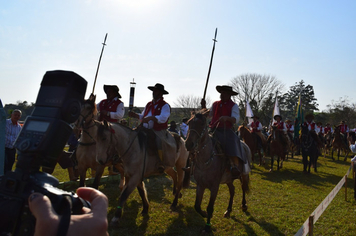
(2, 138)
(97, 69)
(211, 62)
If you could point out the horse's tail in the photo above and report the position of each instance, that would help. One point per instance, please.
(187, 173)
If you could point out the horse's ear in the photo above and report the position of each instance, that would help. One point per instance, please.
(92, 97)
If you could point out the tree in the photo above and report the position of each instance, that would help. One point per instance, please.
(187, 103)
(342, 110)
(255, 88)
(289, 101)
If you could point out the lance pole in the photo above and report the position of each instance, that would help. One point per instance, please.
(211, 62)
(97, 69)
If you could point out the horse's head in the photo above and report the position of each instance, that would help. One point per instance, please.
(88, 112)
(105, 146)
(197, 129)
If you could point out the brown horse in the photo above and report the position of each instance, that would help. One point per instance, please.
(328, 137)
(277, 147)
(86, 150)
(251, 140)
(339, 144)
(139, 162)
(212, 169)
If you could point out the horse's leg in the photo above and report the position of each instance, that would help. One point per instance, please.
(98, 173)
(120, 168)
(143, 194)
(82, 175)
(210, 207)
(271, 163)
(278, 160)
(305, 162)
(130, 185)
(231, 187)
(171, 172)
(310, 162)
(338, 153)
(198, 200)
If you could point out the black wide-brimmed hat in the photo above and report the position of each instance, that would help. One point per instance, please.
(159, 87)
(113, 87)
(319, 123)
(225, 88)
(274, 117)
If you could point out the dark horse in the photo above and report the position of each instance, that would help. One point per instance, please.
(251, 139)
(212, 169)
(277, 147)
(309, 148)
(339, 144)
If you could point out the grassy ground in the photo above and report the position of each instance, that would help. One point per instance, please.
(278, 204)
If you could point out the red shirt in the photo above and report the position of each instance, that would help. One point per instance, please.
(221, 109)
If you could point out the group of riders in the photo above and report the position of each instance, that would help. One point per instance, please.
(224, 114)
(317, 131)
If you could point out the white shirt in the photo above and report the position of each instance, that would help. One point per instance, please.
(161, 118)
(118, 114)
(11, 133)
(184, 129)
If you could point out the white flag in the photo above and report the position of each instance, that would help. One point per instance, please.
(276, 109)
(249, 113)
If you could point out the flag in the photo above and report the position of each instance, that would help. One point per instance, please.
(249, 113)
(276, 109)
(299, 118)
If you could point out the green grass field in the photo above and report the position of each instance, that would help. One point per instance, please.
(278, 204)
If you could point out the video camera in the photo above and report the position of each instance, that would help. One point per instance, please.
(39, 144)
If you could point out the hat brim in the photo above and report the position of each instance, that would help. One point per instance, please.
(221, 89)
(106, 87)
(153, 88)
(274, 117)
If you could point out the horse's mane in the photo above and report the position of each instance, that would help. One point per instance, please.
(92, 104)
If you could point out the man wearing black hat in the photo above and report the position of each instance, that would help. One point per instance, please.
(225, 113)
(112, 108)
(155, 117)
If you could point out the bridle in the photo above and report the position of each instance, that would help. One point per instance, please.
(85, 126)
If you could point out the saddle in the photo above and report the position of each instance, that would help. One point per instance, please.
(149, 136)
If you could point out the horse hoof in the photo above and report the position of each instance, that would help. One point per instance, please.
(227, 214)
(114, 222)
(244, 208)
(270, 170)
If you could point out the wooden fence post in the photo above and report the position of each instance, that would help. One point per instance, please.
(345, 187)
(311, 224)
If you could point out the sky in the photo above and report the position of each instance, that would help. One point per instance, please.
(170, 42)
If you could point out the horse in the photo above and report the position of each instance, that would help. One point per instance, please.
(210, 169)
(339, 144)
(277, 147)
(139, 162)
(251, 140)
(309, 148)
(328, 137)
(86, 150)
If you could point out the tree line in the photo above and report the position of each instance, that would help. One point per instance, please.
(261, 92)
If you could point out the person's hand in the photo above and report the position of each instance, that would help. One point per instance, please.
(92, 222)
(133, 114)
(203, 103)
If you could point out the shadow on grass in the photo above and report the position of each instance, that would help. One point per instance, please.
(323, 177)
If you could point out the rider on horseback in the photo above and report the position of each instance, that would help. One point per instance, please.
(256, 127)
(112, 110)
(225, 113)
(155, 117)
(312, 128)
(281, 127)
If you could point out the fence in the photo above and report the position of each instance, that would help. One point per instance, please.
(308, 225)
